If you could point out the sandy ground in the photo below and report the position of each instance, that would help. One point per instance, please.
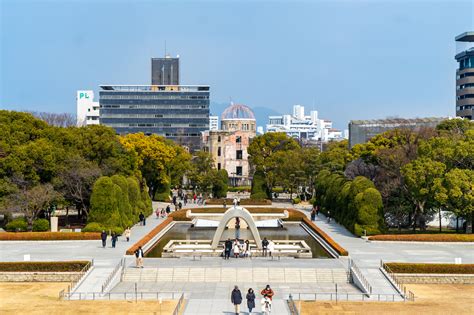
(42, 298)
(429, 299)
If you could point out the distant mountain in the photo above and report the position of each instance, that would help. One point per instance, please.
(261, 113)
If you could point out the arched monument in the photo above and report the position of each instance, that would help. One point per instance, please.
(236, 212)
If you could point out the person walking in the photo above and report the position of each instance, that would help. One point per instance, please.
(141, 217)
(114, 239)
(271, 247)
(227, 248)
(157, 213)
(236, 299)
(264, 247)
(250, 300)
(247, 248)
(268, 292)
(236, 248)
(127, 233)
(103, 237)
(139, 257)
(266, 303)
(313, 214)
(168, 209)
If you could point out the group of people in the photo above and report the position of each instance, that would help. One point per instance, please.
(237, 248)
(114, 237)
(266, 301)
(268, 247)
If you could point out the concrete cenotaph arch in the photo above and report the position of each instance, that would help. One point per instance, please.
(236, 212)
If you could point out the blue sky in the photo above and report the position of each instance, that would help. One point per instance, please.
(347, 59)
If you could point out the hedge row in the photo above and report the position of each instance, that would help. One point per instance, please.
(243, 202)
(43, 266)
(149, 236)
(338, 248)
(293, 215)
(431, 268)
(424, 237)
(48, 236)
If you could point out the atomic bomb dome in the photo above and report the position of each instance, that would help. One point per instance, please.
(238, 111)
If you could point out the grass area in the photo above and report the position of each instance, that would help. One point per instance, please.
(42, 298)
(43, 266)
(429, 299)
(431, 268)
(48, 236)
(424, 237)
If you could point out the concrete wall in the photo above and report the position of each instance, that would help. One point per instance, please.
(415, 278)
(39, 276)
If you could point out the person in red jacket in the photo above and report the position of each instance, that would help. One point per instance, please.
(268, 292)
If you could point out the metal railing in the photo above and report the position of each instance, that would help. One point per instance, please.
(113, 274)
(180, 304)
(120, 295)
(292, 306)
(355, 271)
(333, 296)
(82, 273)
(397, 282)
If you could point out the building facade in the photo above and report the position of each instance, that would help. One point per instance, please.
(165, 71)
(361, 131)
(213, 122)
(228, 146)
(465, 75)
(179, 113)
(87, 111)
(304, 128)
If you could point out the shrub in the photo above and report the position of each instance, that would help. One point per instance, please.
(17, 225)
(219, 187)
(431, 268)
(43, 266)
(278, 190)
(296, 200)
(48, 236)
(104, 203)
(338, 248)
(240, 189)
(40, 225)
(293, 215)
(149, 236)
(424, 237)
(93, 227)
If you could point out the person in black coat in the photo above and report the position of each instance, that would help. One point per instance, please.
(141, 216)
(103, 237)
(114, 239)
(236, 299)
(250, 300)
(227, 248)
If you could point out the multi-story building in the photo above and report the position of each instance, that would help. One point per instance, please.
(465, 75)
(304, 128)
(87, 111)
(179, 113)
(165, 71)
(361, 131)
(213, 122)
(228, 146)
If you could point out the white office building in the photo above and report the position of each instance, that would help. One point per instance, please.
(213, 122)
(87, 111)
(302, 127)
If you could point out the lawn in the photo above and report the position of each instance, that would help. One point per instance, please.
(42, 298)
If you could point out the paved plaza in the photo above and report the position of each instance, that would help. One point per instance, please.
(209, 281)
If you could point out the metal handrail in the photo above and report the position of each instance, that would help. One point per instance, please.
(180, 304)
(337, 296)
(82, 273)
(292, 306)
(398, 283)
(365, 283)
(112, 275)
(171, 295)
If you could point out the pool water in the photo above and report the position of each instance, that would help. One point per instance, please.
(291, 231)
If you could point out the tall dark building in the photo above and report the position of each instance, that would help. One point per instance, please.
(165, 71)
(465, 76)
(179, 113)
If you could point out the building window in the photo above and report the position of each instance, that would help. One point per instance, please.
(238, 154)
(238, 171)
(218, 166)
(219, 151)
(218, 138)
(238, 139)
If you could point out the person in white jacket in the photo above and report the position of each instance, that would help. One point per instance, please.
(266, 305)
(271, 247)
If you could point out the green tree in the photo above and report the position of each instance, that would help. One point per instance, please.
(259, 187)
(104, 203)
(219, 187)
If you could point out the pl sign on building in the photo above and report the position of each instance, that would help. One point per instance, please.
(87, 110)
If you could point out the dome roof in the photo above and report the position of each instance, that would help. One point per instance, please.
(237, 111)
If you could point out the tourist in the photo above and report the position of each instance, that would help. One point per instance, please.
(168, 209)
(141, 216)
(313, 214)
(329, 216)
(250, 300)
(271, 248)
(114, 239)
(266, 303)
(174, 200)
(127, 233)
(139, 257)
(157, 212)
(268, 292)
(237, 228)
(236, 299)
(247, 248)
(194, 198)
(264, 247)
(236, 248)
(185, 200)
(235, 202)
(103, 237)
(227, 248)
